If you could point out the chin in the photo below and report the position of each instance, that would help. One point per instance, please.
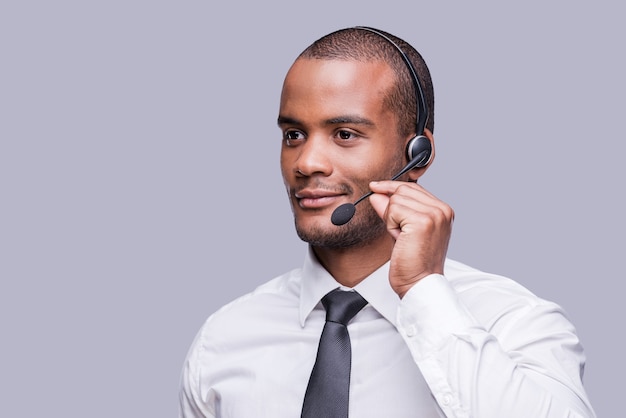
(360, 231)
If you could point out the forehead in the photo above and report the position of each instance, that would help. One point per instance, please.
(337, 86)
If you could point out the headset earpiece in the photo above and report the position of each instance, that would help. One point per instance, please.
(418, 151)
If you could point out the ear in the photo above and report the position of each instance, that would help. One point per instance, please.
(416, 173)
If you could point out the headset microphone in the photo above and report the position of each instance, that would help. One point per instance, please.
(419, 148)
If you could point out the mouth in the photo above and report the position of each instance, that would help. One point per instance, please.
(317, 199)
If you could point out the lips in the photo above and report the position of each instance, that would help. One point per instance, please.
(316, 199)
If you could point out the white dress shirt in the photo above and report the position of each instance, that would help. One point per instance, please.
(465, 344)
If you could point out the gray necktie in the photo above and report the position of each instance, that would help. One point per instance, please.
(327, 393)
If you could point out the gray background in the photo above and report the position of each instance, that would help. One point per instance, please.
(140, 187)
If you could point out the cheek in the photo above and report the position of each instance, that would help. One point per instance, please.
(285, 165)
(395, 159)
(386, 164)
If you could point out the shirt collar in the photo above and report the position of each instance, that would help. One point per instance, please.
(317, 282)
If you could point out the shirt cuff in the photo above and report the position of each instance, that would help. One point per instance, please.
(430, 312)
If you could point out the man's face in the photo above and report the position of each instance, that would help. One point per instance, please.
(337, 137)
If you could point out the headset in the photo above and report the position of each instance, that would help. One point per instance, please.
(418, 149)
(418, 146)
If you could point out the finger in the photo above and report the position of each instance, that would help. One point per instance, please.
(400, 209)
(411, 209)
(390, 187)
(410, 195)
(386, 186)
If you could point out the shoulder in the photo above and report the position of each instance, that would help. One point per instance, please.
(233, 334)
(469, 281)
(495, 299)
(253, 310)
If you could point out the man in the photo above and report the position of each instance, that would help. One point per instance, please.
(436, 338)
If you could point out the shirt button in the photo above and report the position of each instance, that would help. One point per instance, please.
(411, 331)
(446, 399)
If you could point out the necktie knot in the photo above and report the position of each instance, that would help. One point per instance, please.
(341, 306)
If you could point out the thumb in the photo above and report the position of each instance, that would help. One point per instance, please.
(379, 202)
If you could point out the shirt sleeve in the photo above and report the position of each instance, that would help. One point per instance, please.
(191, 404)
(531, 367)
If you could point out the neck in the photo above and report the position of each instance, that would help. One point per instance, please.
(350, 266)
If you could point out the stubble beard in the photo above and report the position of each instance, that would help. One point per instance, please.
(361, 230)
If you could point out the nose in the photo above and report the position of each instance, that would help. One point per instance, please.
(314, 157)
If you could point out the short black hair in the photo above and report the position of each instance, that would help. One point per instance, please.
(364, 45)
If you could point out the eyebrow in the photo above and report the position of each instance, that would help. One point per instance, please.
(350, 119)
(285, 120)
(339, 120)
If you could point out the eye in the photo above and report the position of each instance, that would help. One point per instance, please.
(346, 136)
(292, 137)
